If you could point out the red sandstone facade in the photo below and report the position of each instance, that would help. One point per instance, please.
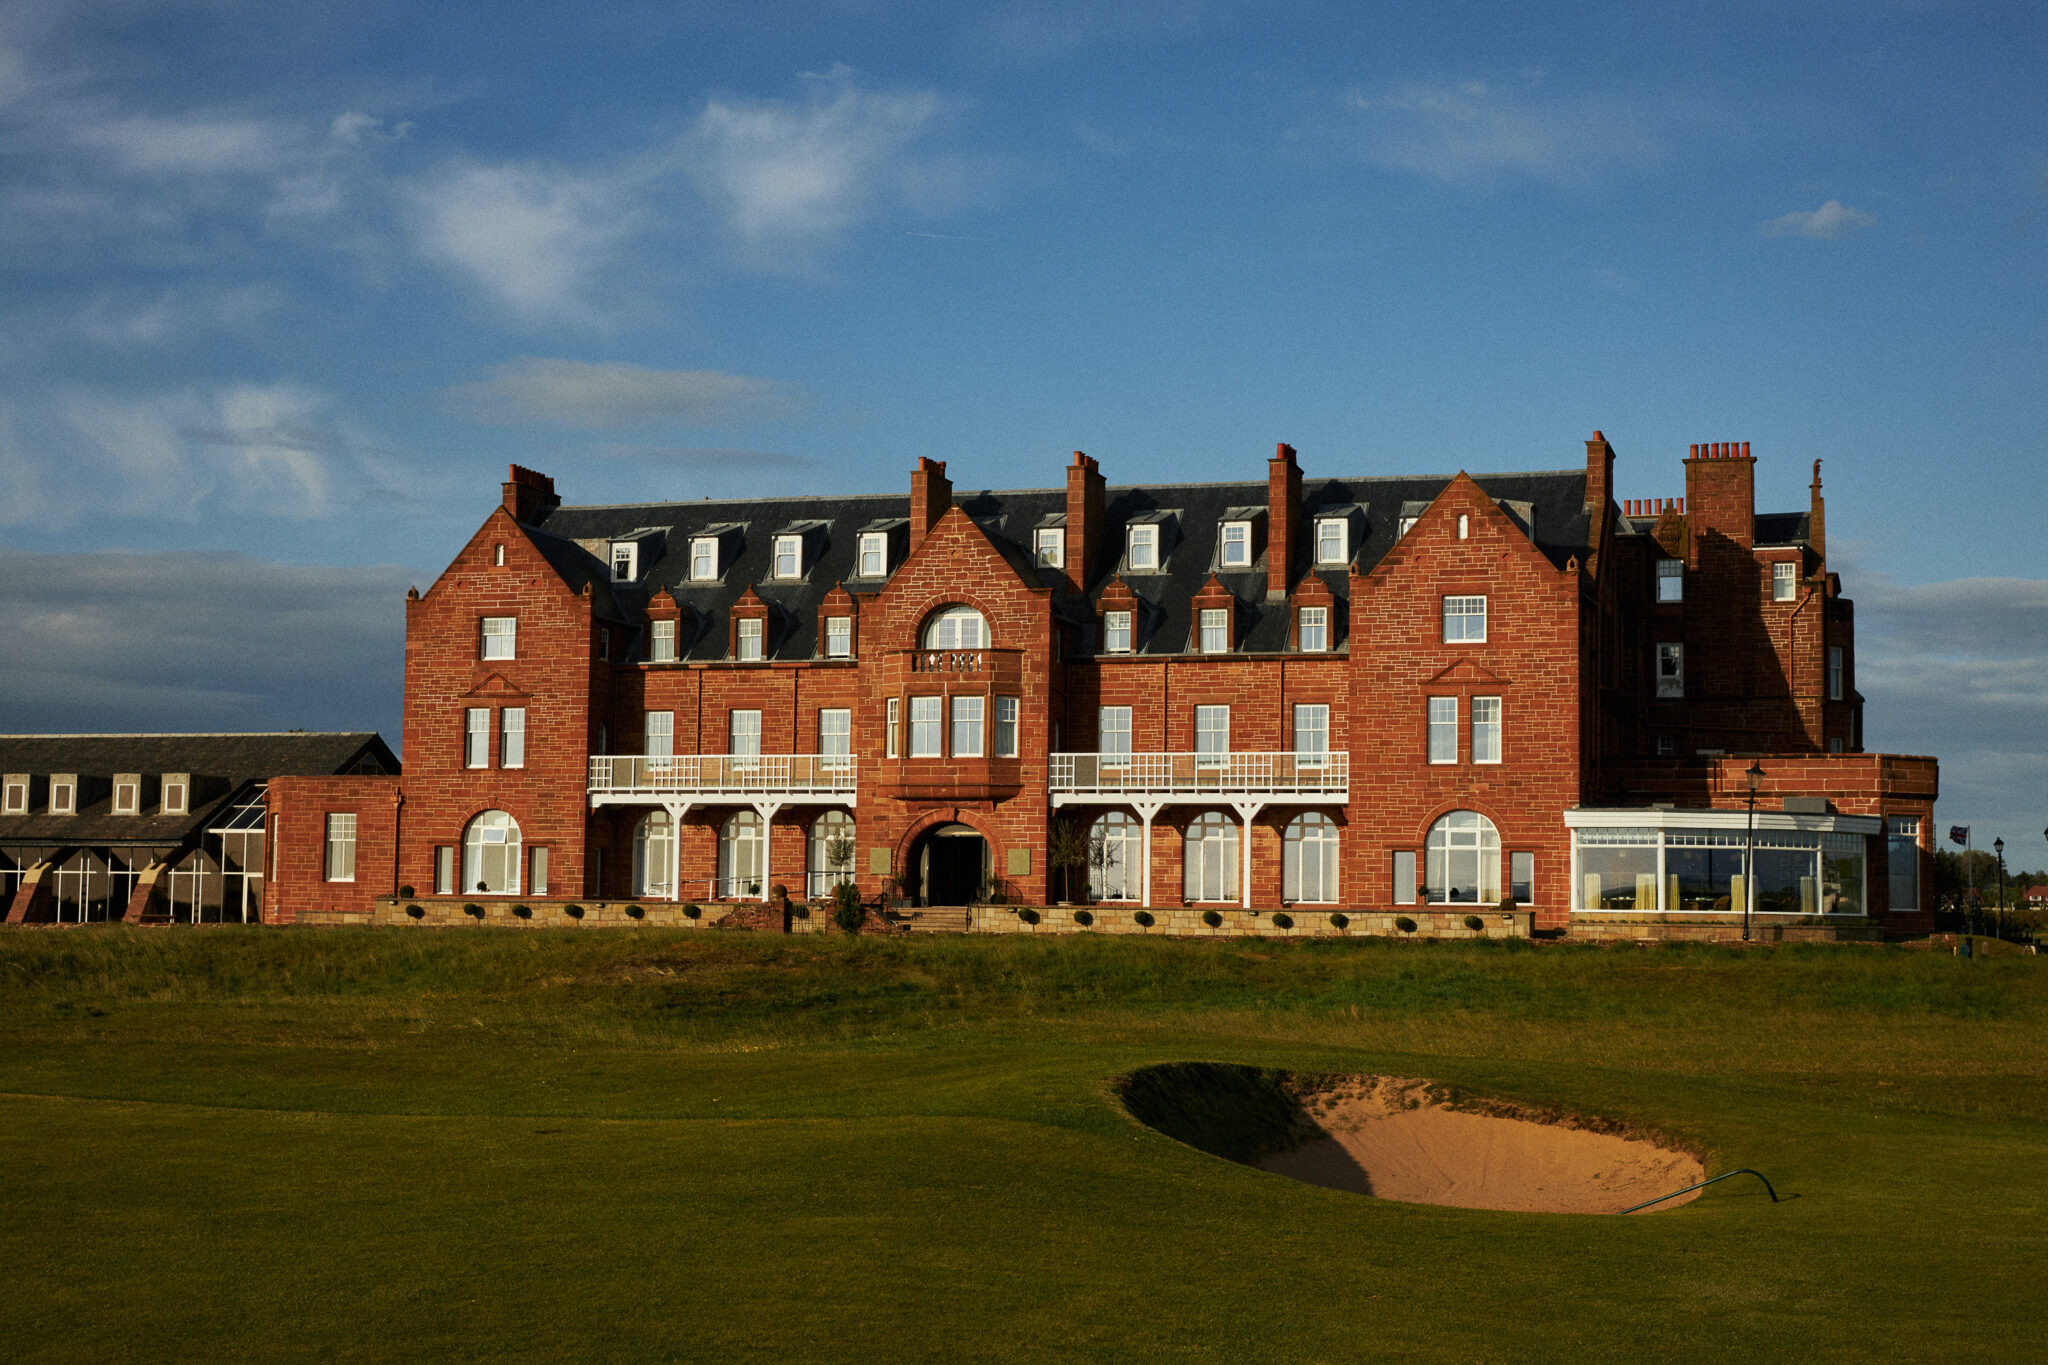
(1318, 697)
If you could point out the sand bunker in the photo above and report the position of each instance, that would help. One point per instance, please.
(1396, 1138)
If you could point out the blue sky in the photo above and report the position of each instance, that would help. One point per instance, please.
(286, 286)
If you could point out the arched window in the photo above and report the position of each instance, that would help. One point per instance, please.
(653, 855)
(739, 856)
(956, 628)
(1116, 851)
(830, 860)
(1311, 859)
(1464, 860)
(490, 855)
(1210, 859)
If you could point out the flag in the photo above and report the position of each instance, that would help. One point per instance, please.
(1959, 834)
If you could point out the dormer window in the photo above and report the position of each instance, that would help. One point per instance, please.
(1142, 547)
(789, 556)
(1116, 632)
(1784, 581)
(127, 793)
(874, 554)
(750, 633)
(1407, 525)
(661, 642)
(838, 637)
(704, 559)
(1215, 638)
(625, 561)
(1237, 545)
(1333, 540)
(14, 801)
(1051, 547)
(177, 791)
(1314, 630)
(64, 794)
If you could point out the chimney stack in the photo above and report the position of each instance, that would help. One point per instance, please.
(1283, 520)
(528, 493)
(931, 493)
(1084, 519)
(1720, 484)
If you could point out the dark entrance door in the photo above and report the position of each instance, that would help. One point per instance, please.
(953, 866)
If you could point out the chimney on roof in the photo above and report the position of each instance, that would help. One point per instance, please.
(1720, 485)
(1283, 519)
(1599, 474)
(931, 493)
(1084, 519)
(1817, 520)
(528, 493)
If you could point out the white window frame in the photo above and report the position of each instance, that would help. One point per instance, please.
(625, 561)
(16, 802)
(1049, 545)
(1486, 729)
(1333, 540)
(1443, 730)
(1519, 858)
(1407, 524)
(1116, 632)
(1141, 546)
(1670, 672)
(927, 727)
(1457, 839)
(748, 646)
(1310, 866)
(839, 637)
(743, 732)
(1311, 734)
(177, 793)
(1212, 736)
(444, 869)
(512, 737)
(499, 638)
(1405, 883)
(1901, 833)
(968, 726)
(957, 627)
(64, 794)
(658, 734)
(537, 870)
(1236, 549)
(704, 559)
(476, 737)
(835, 736)
(1113, 734)
(1459, 608)
(874, 554)
(894, 727)
(789, 557)
(477, 844)
(340, 860)
(661, 642)
(1312, 630)
(1209, 858)
(1784, 580)
(1007, 712)
(1670, 580)
(1215, 630)
(128, 794)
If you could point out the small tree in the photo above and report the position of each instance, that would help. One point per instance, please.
(846, 907)
(1066, 850)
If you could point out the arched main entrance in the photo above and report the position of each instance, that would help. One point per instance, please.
(952, 865)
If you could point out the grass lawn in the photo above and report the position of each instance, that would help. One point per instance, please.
(233, 1143)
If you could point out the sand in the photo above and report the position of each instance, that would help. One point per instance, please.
(1394, 1138)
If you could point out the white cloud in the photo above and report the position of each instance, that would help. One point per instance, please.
(1830, 222)
(1474, 131)
(575, 393)
(192, 143)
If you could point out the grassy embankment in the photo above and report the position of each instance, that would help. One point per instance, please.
(638, 1145)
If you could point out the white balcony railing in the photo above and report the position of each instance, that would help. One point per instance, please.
(1224, 775)
(720, 775)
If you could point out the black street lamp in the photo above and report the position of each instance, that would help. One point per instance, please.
(1998, 847)
(1755, 773)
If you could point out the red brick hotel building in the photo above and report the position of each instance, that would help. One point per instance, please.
(1305, 704)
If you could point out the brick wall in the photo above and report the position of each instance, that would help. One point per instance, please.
(296, 845)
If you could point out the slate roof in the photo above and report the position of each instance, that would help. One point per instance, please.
(1191, 514)
(222, 766)
(1770, 530)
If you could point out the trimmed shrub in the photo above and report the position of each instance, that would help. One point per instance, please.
(1339, 920)
(1474, 923)
(1028, 916)
(473, 910)
(1084, 918)
(1211, 918)
(1405, 925)
(635, 912)
(1283, 920)
(691, 911)
(1144, 919)
(573, 911)
(416, 911)
(523, 911)
(847, 911)
(406, 893)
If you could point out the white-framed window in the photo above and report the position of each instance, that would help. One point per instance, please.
(1463, 860)
(1237, 545)
(661, 642)
(498, 556)
(1404, 876)
(1215, 630)
(625, 561)
(1443, 729)
(1116, 853)
(1209, 859)
(1834, 672)
(956, 628)
(476, 737)
(1670, 670)
(743, 733)
(838, 637)
(1522, 877)
(500, 637)
(893, 727)
(1784, 580)
(1670, 580)
(490, 855)
(658, 732)
(64, 794)
(967, 723)
(1407, 524)
(341, 847)
(1113, 732)
(16, 801)
(741, 861)
(444, 869)
(1212, 736)
(830, 850)
(1313, 629)
(1486, 729)
(1006, 727)
(1309, 871)
(835, 736)
(1333, 540)
(750, 640)
(1050, 545)
(1464, 620)
(653, 852)
(1116, 632)
(1464, 527)
(537, 871)
(1902, 860)
(789, 556)
(512, 737)
(703, 559)
(128, 794)
(1311, 734)
(177, 790)
(927, 726)
(874, 554)
(1141, 547)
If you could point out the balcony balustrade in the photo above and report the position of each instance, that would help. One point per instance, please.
(741, 777)
(1279, 776)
